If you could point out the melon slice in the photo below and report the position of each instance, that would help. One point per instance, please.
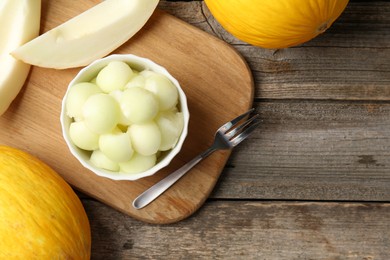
(88, 36)
(19, 23)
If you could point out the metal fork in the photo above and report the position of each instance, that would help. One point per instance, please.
(227, 136)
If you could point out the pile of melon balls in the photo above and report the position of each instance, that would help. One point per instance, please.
(125, 118)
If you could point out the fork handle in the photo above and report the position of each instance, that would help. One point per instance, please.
(160, 187)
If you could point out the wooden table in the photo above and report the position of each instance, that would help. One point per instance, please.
(313, 182)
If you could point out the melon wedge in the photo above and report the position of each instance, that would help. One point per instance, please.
(88, 36)
(19, 23)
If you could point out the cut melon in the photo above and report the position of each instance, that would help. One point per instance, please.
(88, 36)
(19, 23)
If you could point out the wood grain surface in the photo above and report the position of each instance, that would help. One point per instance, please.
(313, 181)
(32, 122)
(248, 230)
(313, 150)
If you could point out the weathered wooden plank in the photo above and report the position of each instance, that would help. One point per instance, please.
(320, 73)
(247, 230)
(351, 61)
(313, 151)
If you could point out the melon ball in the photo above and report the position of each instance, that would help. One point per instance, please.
(147, 73)
(77, 95)
(138, 81)
(138, 105)
(145, 138)
(116, 145)
(117, 94)
(100, 160)
(82, 137)
(167, 94)
(138, 163)
(171, 125)
(101, 113)
(114, 76)
(126, 118)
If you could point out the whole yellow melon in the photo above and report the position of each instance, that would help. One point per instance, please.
(40, 215)
(276, 24)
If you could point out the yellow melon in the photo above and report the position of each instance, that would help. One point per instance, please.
(40, 215)
(276, 23)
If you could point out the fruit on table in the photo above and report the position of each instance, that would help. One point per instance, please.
(139, 105)
(170, 125)
(19, 23)
(101, 113)
(41, 217)
(145, 137)
(163, 89)
(138, 163)
(88, 36)
(77, 97)
(129, 118)
(114, 76)
(116, 145)
(83, 137)
(276, 24)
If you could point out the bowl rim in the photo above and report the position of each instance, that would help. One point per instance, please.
(93, 68)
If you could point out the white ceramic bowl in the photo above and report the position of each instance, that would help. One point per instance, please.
(87, 74)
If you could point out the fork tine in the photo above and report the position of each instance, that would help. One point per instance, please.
(244, 134)
(231, 123)
(238, 129)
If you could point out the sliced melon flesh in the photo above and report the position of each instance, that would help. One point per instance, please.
(19, 23)
(88, 36)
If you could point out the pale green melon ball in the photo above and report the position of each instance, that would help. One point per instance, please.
(138, 105)
(82, 137)
(100, 160)
(76, 97)
(114, 76)
(138, 163)
(167, 94)
(101, 113)
(116, 145)
(117, 94)
(170, 125)
(147, 73)
(145, 138)
(138, 81)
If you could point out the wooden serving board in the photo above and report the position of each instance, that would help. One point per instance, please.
(218, 85)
